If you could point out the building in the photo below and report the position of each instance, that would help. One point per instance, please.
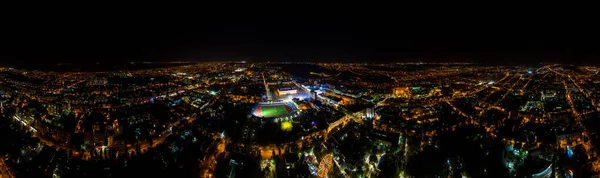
(100, 139)
(286, 91)
(402, 92)
(370, 113)
(549, 95)
(313, 95)
(546, 172)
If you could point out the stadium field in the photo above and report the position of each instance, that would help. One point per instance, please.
(269, 111)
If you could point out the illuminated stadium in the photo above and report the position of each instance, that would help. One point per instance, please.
(274, 109)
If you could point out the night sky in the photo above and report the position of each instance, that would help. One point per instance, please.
(297, 36)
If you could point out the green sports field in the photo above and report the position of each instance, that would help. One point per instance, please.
(268, 111)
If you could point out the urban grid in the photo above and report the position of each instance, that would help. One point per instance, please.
(301, 119)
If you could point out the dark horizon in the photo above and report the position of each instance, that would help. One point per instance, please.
(99, 65)
(326, 37)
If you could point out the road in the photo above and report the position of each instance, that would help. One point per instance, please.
(590, 151)
(5, 171)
